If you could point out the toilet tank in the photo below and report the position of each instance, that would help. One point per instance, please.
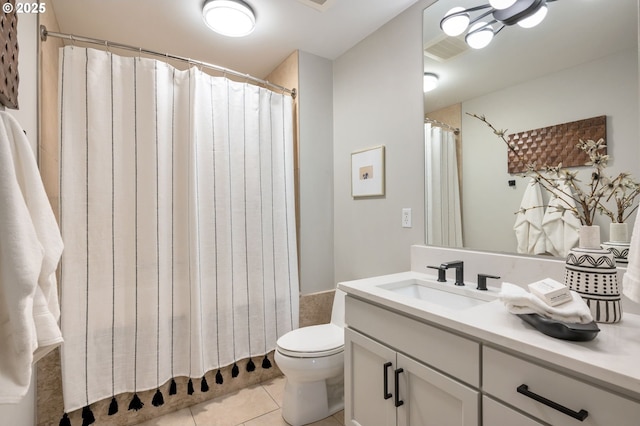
(337, 312)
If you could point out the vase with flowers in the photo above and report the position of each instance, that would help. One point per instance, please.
(624, 191)
(590, 269)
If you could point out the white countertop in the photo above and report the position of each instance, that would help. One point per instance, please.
(612, 359)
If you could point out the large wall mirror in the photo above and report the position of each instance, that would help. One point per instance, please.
(580, 62)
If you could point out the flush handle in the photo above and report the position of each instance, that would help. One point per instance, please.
(398, 401)
(579, 415)
(385, 369)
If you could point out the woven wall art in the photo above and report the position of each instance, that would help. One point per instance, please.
(9, 78)
(549, 146)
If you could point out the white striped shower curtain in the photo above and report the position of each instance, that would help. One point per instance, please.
(442, 189)
(177, 213)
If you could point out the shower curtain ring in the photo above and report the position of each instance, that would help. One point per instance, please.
(106, 46)
(73, 40)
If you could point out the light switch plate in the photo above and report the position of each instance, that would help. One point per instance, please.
(406, 218)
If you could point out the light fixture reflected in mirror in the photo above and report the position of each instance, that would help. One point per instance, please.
(430, 81)
(232, 18)
(525, 13)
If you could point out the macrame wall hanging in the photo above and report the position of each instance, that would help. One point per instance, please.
(9, 79)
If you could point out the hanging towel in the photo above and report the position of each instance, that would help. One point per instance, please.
(528, 226)
(561, 230)
(520, 301)
(631, 278)
(30, 248)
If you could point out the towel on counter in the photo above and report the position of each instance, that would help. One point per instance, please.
(561, 230)
(631, 278)
(528, 226)
(30, 249)
(520, 301)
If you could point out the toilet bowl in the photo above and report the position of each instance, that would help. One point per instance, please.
(312, 361)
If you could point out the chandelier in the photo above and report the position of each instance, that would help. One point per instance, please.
(498, 13)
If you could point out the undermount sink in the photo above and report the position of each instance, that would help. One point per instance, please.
(446, 295)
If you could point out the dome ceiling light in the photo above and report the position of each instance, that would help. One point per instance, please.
(232, 18)
(430, 81)
(501, 13)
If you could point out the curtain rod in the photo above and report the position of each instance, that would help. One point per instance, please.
(44, 33)
(441, 124)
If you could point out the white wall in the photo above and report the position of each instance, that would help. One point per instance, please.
(378, 100)
(608, 86)
(23, 414)
(315, 107)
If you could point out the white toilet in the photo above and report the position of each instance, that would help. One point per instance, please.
(312, 361)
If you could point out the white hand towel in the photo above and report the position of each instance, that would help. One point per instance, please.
(528, 225)
(30, 248)
(631, 278)
(561, 230)
(520, 301)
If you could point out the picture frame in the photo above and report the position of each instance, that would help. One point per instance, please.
(368, 172)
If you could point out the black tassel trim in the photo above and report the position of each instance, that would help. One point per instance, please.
(265, 362)
(135, 403)
(235, 370)
(204, 386)
(250, 366)
(173, 389)
(219, 379)
(190, 390)
(113, 407)
(64, 421)
(158, 399)
(87, 416)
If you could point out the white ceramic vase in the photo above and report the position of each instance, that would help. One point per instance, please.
(591, 271)
(619, 241)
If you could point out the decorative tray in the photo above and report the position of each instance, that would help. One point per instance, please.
(562, 330)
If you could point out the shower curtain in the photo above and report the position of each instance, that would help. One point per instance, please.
(444, 217)
(177, 212)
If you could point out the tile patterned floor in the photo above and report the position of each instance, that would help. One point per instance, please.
(258, 405)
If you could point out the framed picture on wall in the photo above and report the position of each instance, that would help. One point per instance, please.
(367, 172)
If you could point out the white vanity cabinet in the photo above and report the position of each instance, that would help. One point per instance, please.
(385, 385)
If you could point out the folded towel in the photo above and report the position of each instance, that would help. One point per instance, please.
(528, 225)
(559, 225)
(631, 278)
(519, 301)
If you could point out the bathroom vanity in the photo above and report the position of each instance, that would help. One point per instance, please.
(409, 361)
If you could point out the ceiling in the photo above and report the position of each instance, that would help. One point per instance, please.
(283, 26)
(574, 32)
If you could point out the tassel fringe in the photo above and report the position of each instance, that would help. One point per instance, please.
(190, 387)
(219, 379)
(250, 366)
(87, 416)
(265, 362)
(158, 399)
(235, 370)
(173, 389)
(204, 386)
(64, 421)
(113, 407)
(135, 403)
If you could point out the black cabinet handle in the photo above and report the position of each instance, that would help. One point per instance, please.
(580, 415)
(385, 368)
(398, 401)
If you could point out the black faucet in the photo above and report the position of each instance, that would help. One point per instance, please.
(459, 270)
(482, 281)
(442, 273)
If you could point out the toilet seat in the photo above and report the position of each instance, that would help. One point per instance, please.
(312, 342)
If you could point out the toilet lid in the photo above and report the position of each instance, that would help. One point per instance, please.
(312, 342)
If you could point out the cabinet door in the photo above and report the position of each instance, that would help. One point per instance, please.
(366, 362)
(433, 399)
